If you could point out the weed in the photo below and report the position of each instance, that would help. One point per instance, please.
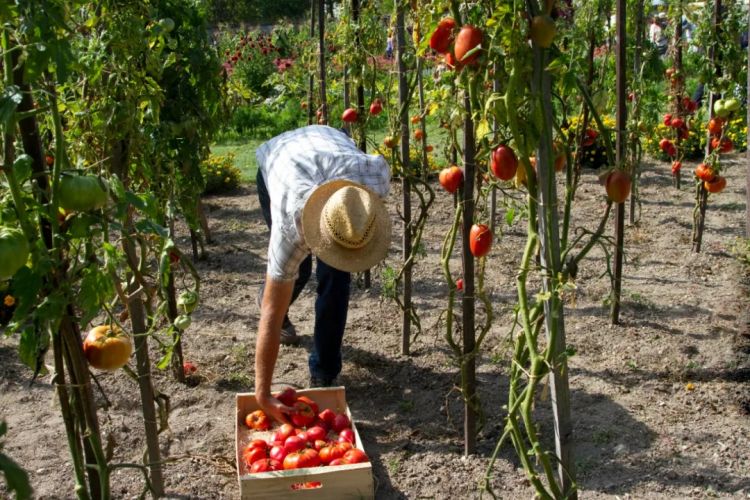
(239, 354)
(406, 405)
(389, 285)
(603, 436)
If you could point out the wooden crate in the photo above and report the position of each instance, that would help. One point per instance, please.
(339, 482)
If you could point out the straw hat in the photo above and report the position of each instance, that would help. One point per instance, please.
(347, 226)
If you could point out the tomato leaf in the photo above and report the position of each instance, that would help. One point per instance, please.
(9, 100)
(32, 346)
(96, 289)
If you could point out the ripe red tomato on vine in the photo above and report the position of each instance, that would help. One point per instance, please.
(480, 240)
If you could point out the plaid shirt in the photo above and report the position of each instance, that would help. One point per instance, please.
(293, 165)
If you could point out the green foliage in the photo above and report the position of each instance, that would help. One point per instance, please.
(257, 11)
(220, 174)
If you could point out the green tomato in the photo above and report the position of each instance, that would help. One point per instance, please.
(167, 24)
(731, 104)
(188, 301)
(720, 108)
(182, 322)
(14, 251)
(81, 192)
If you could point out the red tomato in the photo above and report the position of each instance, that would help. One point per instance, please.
(677, 123)
(442, 37)
(504, 162)
(283, 432)
(294, 443)
(189, 368)
(418, 134)
(310, 402)
(258, 420)
(480, 240)
(451, 178)
(277, 453)
(327, 416)
(715, 125)
(301, 459)
(376, 107)
(668, 119)
(315, 433)
(590, 137)
(341, 422)
(336, 461)
(705, 173)
(319, 444)
(288, 396)
(334, 451)
(265, 465)
(107, 347)
(355, 456)
(346, 435)
(350, 115)
(618, 186)
(676, 167)
(49, 160)
(460, 284)
(303, 414)
(717, 185)
(258, 443)
(252, 455)
(468, 38)
(666, 145)
(452, 62)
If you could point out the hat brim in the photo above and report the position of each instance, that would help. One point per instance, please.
(330, 252)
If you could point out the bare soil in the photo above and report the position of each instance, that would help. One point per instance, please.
(639, 429)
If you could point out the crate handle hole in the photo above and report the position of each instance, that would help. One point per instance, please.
(309, 485)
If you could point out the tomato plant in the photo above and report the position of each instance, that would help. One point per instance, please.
(14, 251)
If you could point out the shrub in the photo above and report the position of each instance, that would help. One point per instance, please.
(220, 174)
(695, 145)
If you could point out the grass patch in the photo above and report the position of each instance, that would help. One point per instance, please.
(244, 156)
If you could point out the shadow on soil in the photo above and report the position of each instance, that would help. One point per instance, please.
(610, 457)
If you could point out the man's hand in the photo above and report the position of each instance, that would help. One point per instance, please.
(274, 408)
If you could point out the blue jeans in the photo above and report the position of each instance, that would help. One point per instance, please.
(331, 304)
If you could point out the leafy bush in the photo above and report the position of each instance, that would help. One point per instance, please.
(220, 174)
(263, 122)
(695, 145)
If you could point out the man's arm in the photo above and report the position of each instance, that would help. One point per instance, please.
(276, 298)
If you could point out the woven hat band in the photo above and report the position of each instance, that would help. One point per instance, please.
(349, 217)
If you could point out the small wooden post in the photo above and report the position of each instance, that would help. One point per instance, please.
(622, 113)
